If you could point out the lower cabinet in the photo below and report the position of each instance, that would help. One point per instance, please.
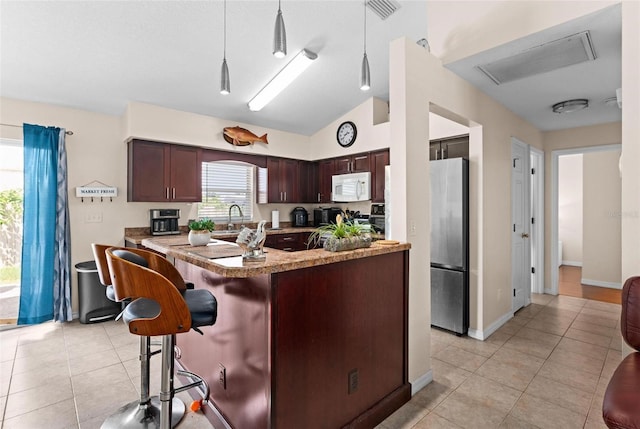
(291, 242)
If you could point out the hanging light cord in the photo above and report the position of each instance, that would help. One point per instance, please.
(278, 5)
(365, 26)
(225, 30)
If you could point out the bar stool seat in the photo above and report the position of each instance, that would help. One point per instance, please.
(199, 301)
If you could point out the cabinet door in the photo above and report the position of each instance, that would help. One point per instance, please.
(325, 172)
(147, 170)
(185, 174)
(289, 181)
(456, 148)
(342, 165)
(308, 178)
(273, 180)
(360, 163)
(378, 161)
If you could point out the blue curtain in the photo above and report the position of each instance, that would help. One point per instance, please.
(45, 292)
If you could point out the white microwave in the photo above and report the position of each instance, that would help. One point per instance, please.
(351, 187)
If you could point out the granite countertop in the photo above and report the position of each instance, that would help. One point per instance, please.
(136, 235)
(276, 260)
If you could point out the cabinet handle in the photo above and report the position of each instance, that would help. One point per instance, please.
(285, 195)
(445, 154)
(437, 150)
(318, 196)
(167, 193)
(174, 193)
(288, 238)
(280, 195)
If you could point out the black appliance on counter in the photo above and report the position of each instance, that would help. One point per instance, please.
(164, 221)
(325, 215)
(376, 218)
(299, 217)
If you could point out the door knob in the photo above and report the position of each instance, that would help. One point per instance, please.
(525, 235)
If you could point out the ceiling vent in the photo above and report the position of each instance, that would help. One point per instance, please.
(383, 8)
(550, 56)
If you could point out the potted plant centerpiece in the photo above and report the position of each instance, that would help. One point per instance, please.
(342, 235)
(200, 231)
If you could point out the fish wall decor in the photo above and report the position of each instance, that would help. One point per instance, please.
(239, 136)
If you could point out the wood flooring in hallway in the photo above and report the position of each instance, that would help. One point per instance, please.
(569, 284)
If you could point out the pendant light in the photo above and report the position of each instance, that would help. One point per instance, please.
(279, 36)
(225, 85)
(365, 77)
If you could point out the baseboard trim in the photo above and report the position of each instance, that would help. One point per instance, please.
(484, 334)
(610, 285)
(419, 383)
(548, 291)
(572, 263)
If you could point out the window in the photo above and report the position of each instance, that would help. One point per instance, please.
(225, 183)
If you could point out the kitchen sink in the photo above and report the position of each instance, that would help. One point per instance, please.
(225, 232)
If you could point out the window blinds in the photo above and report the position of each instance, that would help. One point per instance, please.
(225, 183)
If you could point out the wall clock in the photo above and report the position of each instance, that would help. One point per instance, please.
(346, 134)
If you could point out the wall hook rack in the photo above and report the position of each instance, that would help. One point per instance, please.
(90, 190)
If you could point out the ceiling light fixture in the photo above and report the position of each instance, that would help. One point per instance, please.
(365, 76)
(570, 105)
(279, 36)
(288, 74)
(225, 84)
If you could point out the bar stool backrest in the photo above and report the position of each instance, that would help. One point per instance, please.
(630, 318)
(131, 280)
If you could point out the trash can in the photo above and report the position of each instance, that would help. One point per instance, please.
(92, 297)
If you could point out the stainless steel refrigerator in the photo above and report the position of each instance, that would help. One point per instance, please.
(450, 244)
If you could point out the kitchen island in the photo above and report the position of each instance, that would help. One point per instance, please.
(309, 339)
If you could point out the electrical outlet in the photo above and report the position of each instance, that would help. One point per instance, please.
(222, 376)
(353, 381)
(413, 230)
(95, 217)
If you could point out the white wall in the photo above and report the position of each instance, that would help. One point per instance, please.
(602, 219)
(570, 208)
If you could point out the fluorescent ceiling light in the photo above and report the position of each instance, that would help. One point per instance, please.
(288, 74)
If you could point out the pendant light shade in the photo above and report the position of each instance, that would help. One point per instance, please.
(279, 36)
(365, 75)
(225, 83)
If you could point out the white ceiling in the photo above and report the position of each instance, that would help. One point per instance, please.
(98, 55)
(531, 98)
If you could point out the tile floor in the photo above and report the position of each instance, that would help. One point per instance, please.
(548, 367)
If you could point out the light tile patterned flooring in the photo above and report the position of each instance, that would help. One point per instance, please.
(548, 367)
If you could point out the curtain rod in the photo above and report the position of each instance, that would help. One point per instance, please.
(69, 133)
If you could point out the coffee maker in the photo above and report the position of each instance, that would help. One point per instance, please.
(299, 217)
(164, 221)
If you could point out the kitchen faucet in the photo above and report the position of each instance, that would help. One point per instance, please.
(230, 225)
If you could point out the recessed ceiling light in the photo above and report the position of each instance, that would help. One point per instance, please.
(570, 105)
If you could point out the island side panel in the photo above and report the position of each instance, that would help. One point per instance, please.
(239, 341)
(340, 343)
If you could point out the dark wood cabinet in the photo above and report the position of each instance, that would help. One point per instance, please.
(283, 180)
(160, 172)
(308, 179)
(291, 242)
(454, 147)
(378, 160)
(325, 172)
(352, 164)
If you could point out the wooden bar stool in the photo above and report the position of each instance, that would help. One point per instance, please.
(145, 412)
(161, 305)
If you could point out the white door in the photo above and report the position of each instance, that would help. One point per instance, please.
(520, 222)
(537, 220)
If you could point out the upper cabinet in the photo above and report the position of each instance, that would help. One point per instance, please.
(352, 164)
(454, 147)
(325, 171)
(378, 160)
(160, 172)
(308, 179)
(282, 180)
